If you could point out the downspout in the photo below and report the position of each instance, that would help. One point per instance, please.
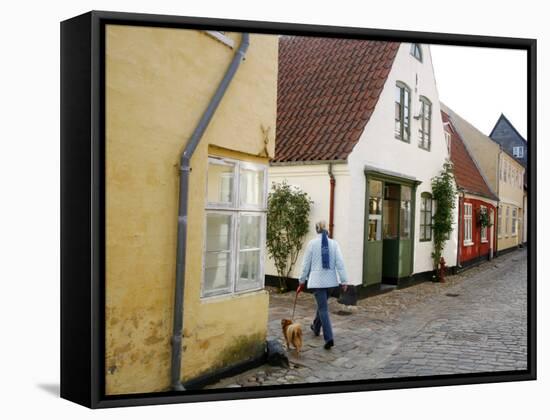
(460, 224)
(331, 208)
(184, 168)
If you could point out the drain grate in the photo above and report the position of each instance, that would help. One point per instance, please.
(462, 336)
(452, 294)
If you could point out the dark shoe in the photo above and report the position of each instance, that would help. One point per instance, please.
(329, 344)
(312, 328)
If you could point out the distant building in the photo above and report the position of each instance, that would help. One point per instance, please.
(476, 241)
(505, 134)
(502, 173)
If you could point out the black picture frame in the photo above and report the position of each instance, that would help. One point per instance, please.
(83, 215)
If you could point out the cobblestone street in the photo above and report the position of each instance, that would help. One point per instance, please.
(475, 322)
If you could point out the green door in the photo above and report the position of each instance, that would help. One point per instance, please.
(389, 221)
(391, 249)
(373, 234)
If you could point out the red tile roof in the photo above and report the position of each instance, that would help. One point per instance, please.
(327, 91)
(466, 172)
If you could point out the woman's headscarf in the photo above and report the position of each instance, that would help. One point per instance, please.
(321, 228)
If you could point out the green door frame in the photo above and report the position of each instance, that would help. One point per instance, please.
(379, 175)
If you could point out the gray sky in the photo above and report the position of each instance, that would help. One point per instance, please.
(481, 83)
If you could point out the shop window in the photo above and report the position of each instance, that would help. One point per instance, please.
(405, 213)
(375, 210)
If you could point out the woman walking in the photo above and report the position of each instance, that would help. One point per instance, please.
(323, 268)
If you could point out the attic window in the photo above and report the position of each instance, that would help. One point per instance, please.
(518, 151)
(416, 52)
(222, 37)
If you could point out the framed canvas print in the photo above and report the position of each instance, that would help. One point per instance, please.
(254, 209)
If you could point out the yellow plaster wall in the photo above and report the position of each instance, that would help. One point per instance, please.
(158, 83)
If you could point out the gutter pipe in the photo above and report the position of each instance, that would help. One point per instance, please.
(331, 209)
(184, 169)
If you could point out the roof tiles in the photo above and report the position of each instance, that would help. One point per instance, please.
(466, 172)
(327, 91)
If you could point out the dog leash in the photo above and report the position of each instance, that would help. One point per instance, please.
(294, 308)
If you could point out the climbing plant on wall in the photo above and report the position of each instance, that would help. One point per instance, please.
(444, 193)
(288, 211)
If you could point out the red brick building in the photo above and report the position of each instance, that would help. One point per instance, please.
(477, 204)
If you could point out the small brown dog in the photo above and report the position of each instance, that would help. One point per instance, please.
(293, 334)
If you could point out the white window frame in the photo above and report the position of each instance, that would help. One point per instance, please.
(483, 228)
(236, 210)
(468, 229)
(517, 151)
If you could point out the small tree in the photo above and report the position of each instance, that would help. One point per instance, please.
(287, 225)
(444, 194)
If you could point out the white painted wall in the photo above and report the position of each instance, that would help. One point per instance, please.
(314, 180)
(379, 148)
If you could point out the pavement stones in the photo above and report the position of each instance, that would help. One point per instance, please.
(475, 322)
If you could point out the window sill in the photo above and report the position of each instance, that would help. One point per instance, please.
(425, 240)
(484, 241)
(427, 149)
(234, 295)
(468, 243)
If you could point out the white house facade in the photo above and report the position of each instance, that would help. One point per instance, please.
(382, 194)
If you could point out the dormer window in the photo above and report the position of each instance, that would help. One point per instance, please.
(416, 52)
(518, 151)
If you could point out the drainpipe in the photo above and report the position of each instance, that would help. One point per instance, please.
(331, 209)
(460, 223)
(185, 168)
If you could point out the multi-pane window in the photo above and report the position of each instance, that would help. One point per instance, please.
(416, 51)
(235, 227)
(483, 210)
(426, 216)
(425, 123)
(514, 221)
(499, 222)
(405, 213)
(507, 221)
(468, 224)
(375, 210)
(518, 151)
(402, 111)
